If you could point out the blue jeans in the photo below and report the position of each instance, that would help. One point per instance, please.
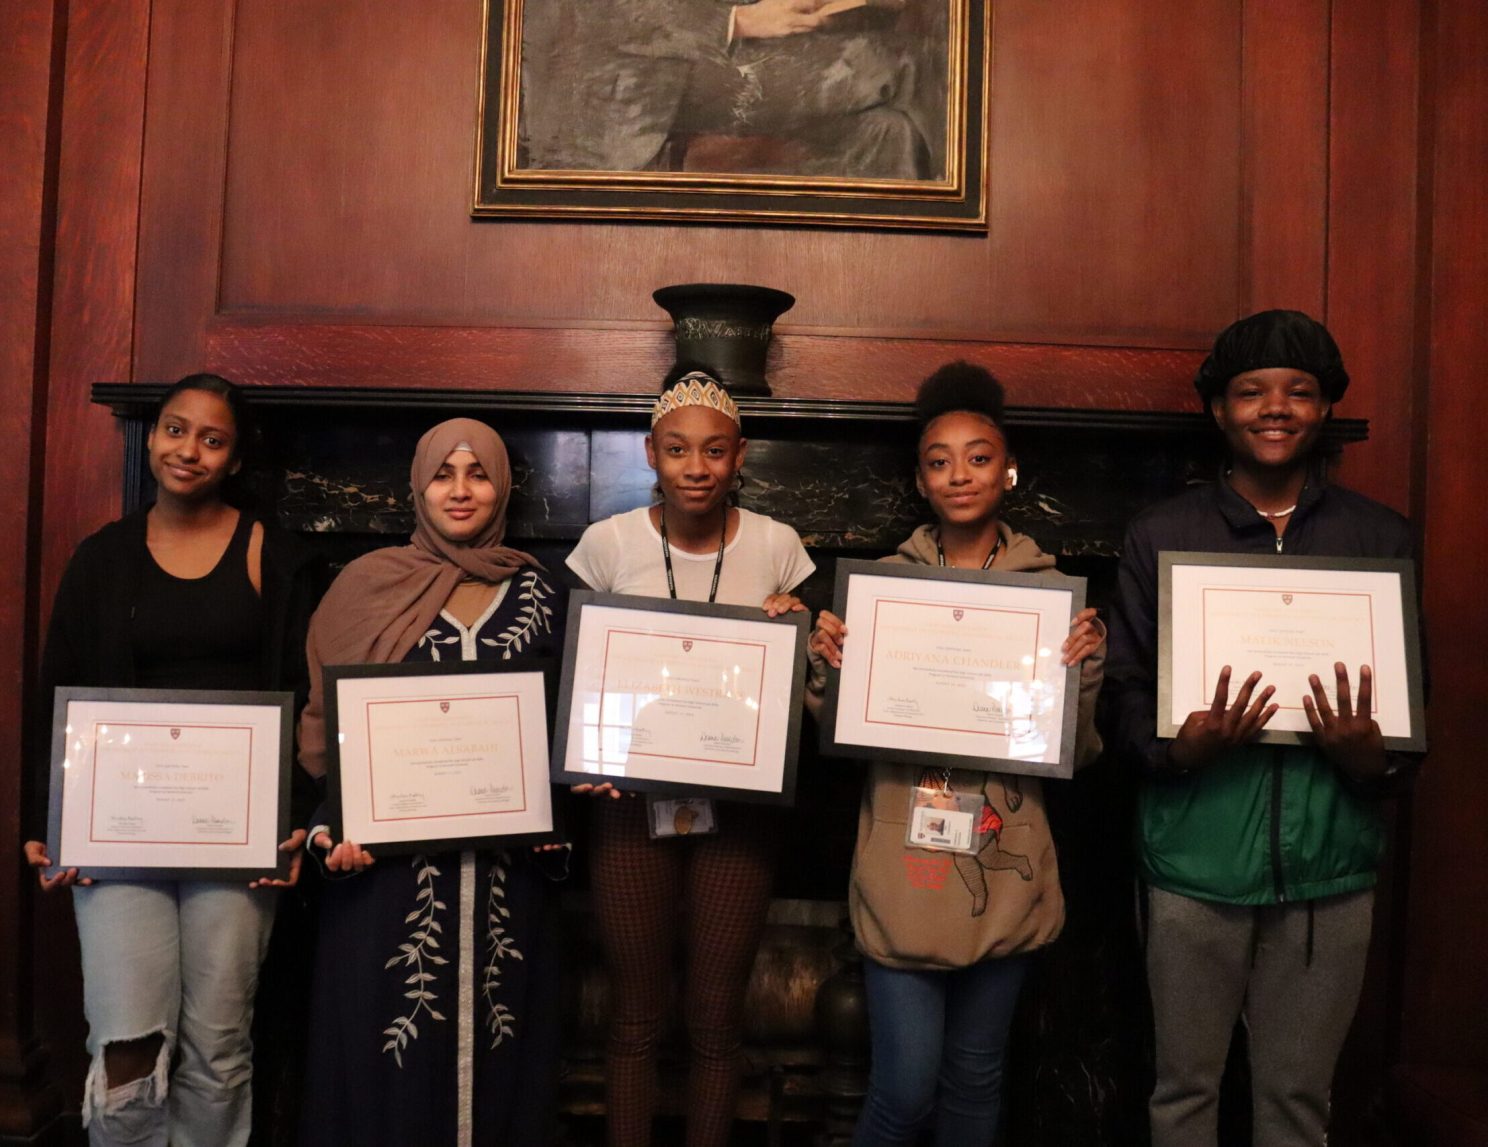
(179, 960)
(938, 1044)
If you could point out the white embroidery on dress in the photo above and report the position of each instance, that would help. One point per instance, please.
(533, 617)
(434, 641)
(499, 946)
(420, 946)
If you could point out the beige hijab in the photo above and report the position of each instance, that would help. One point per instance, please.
(382, 603)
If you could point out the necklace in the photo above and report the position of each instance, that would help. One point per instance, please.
(997, 545)
(666, 555)
(1269, 515)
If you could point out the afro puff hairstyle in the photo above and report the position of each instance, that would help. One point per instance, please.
(960, 386)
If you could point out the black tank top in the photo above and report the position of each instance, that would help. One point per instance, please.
(199, 633)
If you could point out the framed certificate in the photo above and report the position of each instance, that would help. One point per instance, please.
(443, 755)
(1289, 617)
(680, 696)
(170, 784)
(954, 668)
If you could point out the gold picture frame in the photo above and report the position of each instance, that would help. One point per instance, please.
(874, 115)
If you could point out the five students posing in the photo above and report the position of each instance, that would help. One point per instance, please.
(1257, 862)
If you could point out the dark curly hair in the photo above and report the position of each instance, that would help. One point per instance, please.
(960, 386)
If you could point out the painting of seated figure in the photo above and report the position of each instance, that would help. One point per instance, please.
(815, 111)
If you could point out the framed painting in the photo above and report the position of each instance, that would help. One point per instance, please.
(823, 112)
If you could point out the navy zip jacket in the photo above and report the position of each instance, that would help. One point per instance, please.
(1263, 823)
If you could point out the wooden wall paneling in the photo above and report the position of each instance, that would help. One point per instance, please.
(630, 360)
(1372, 206)
(1114, 202)
(32, 33)
(349, 190)
(97, 233)
(98, 192)
(350, 198)
(348, 183)
(1446, 990)
(1114, 198)
(1283, 155)
(1370, 308)
(185, 156)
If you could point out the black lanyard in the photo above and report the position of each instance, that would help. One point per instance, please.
(940, 553)
(666, 555)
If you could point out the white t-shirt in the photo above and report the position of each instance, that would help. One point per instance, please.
(622, 554)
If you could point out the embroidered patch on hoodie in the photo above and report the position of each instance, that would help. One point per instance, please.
(927, 872)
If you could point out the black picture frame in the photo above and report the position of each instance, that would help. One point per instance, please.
(848, 568)
(334, 775)
(281, 701)
(646, 162)
(1403, 568)
(581, 600)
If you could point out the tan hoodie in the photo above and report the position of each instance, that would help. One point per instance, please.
(913, 908)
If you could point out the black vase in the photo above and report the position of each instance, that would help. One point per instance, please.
(725, 328)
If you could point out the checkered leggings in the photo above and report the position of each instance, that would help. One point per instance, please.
(637, 883)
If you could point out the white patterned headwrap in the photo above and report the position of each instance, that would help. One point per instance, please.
(694, 389)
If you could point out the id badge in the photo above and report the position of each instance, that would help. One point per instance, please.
(942, 820)
(679, 816)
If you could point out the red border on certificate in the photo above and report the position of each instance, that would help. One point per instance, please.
(248, 788)
(1286, 594)
(688, 642)
(372, 775)
(957, 611)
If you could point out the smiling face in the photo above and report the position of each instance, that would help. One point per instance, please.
(193, 446)
(963, 468)
(460, 500)
(696, 453)
(1271, 418)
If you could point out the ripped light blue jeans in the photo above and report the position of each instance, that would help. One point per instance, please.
(179, 960)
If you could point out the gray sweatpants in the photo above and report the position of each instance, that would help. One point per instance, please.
(1208, 963)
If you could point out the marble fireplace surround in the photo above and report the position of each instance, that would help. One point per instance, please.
(334, 463)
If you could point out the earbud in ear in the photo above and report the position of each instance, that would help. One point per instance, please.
(1012, 476)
